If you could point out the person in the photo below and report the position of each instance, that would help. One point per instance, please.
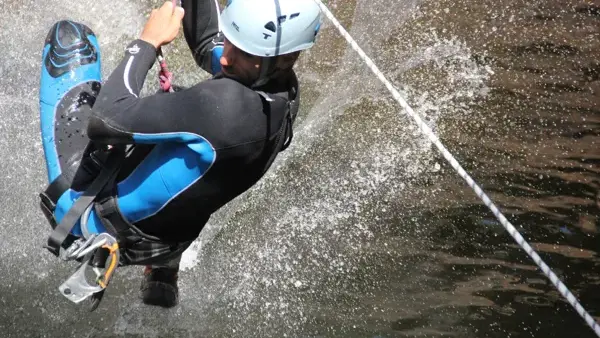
(183, 155)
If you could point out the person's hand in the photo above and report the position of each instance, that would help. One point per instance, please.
(163, 25)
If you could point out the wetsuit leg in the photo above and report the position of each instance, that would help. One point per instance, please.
(171, 264)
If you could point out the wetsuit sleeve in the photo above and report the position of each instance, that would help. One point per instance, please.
(119, 116)
(201, 30)
(201, 113)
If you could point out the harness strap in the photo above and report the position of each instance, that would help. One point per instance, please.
(55, 190)
(50, 196)
(62, 230)
(108, 211)
(282, 133)
(137, 247)
(289, 130)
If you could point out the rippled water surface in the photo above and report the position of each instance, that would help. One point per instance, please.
(361, 229)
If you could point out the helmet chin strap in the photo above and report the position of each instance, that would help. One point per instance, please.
(267, 68)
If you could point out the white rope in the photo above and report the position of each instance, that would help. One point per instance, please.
(560, 286)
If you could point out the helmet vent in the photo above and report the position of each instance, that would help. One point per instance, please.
(270, 26)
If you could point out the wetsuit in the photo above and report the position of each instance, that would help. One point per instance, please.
(195, 149)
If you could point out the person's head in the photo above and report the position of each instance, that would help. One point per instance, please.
(264, 38)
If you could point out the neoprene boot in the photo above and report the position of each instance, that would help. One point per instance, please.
(159, 287)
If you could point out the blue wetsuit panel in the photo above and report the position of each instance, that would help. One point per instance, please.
(217, 52)
(167, 171)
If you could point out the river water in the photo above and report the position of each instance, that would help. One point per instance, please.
(360, 229)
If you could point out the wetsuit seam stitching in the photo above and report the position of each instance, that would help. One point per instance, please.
(162, 178)
(241, 144)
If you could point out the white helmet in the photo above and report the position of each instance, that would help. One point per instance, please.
(269, 28)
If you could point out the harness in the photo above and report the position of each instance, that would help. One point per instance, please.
(122, 243)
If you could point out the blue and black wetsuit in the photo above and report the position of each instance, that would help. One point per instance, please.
(195, 149)
(212, 141)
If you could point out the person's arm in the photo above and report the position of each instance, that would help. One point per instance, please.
(201, 30)
(118, 112)
(200, 114)
(119, 116)
(207, 113)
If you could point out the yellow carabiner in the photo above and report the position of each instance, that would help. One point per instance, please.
(105, 278)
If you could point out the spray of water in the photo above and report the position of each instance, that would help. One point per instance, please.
(302, 245)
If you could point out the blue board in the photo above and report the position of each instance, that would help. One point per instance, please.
(70, 81)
